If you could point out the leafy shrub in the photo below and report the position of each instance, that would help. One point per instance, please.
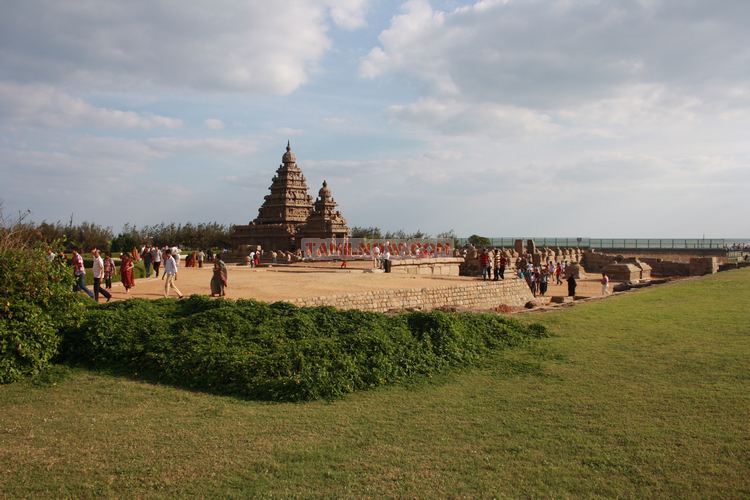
(35, 302)
(281, 352)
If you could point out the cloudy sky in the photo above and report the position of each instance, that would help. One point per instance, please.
(503, 118)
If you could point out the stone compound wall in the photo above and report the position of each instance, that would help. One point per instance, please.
(480, 295)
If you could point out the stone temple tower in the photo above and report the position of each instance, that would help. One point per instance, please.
(325, 221)
(283, 212)
(289, 203)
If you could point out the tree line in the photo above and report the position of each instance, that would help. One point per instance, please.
(88, 235)
(376, 233)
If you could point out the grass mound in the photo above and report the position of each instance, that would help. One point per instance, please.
(280, 352)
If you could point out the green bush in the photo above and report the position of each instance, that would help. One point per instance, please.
(35, 302)
(280, 352)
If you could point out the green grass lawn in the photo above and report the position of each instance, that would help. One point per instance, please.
(643, 394)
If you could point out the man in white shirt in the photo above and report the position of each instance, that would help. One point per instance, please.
(98, 269)
(170, 273)
(156, 259)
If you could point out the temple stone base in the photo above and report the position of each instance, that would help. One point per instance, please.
(443, 266)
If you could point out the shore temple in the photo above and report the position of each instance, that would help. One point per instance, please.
(289, 214)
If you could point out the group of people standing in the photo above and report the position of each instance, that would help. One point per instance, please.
(538, 278)
(500, 263)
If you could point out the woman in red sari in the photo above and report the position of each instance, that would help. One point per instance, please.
(126, 271)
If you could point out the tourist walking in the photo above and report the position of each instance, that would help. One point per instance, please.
(156, 259)
(572, 286)
(605, 284)
(484, 262)
(98, 270)
(496, 262)
(79, 271)
(109, 270)
(558, 273)
(126, 271)
(146, 258)
(503, 264)
(201, 257)
(252, 259)
(170, 274)
(219, 279)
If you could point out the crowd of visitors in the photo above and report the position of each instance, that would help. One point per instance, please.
(166, 260)
(538, 277)
(104, 268)
(737, 247)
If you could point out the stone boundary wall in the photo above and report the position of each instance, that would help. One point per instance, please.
(661, 267)
(481, 295)
(667, 254)
(694, 266)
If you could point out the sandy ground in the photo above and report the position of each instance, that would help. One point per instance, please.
(280, 283)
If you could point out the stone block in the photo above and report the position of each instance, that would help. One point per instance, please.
(561, 300)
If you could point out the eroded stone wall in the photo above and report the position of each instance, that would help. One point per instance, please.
(481, 295)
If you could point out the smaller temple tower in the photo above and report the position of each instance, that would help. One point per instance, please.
(324, 221)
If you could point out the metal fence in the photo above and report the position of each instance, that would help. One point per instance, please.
(611, 243)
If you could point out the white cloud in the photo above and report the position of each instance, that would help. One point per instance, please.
(225, 46)
(455, 117)
(348, 14)
(213, 124)
(41, 105)
(234, 146)
(543, 55)
(289, 132)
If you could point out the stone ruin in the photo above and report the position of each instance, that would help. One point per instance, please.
(517, 257)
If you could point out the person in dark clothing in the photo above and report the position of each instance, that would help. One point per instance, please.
(543, 281)
(146, 258)
(572, 286)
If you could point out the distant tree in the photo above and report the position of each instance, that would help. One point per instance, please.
(366, 232)
(479, 241)
(448, 235)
